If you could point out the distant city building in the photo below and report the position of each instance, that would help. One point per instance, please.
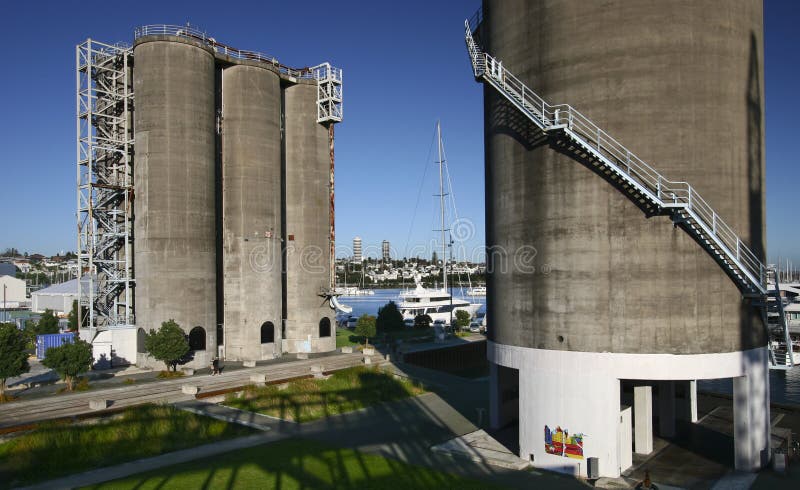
(12, 291)
(385, 247)
(58, 297)
(357, 249)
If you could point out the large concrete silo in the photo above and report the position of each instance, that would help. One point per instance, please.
(251, 208)
(175, 258)
(615, 297)
(310, 325)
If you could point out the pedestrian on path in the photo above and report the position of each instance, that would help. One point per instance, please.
(215, 366)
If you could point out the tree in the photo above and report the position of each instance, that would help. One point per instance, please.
(13, 358)
(168, 344)
(423, 321)
(389, 318)
(463, 318)
(365, 327)
(73, 316)
(69, 360)
(48, 323)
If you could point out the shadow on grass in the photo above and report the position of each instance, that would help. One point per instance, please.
(59, 448)
(296, 463)
(310, 399)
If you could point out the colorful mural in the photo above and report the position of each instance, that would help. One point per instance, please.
(561, 443)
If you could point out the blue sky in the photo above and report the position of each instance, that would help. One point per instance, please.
(405, 66)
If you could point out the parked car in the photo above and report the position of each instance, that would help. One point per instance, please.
(408, 323)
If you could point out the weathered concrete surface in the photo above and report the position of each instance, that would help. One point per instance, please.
(307, 219)
(175, 257)
(679, 83)
(251, 197)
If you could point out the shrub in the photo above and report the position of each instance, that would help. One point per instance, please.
(365, 327)
(423, 321)
(463, 318)
(13, 358)
(69, 360)
(168, 344)
(389, 318)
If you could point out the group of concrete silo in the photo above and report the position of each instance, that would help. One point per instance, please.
(232, 202)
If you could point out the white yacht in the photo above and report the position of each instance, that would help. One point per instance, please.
(477, 291)
(436, 303)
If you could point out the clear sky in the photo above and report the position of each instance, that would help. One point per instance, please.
(405, 66)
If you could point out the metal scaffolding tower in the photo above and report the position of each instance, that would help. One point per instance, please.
(105, 184)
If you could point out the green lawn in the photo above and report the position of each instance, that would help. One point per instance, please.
(295, 464)
(59, 448)
(310, 399)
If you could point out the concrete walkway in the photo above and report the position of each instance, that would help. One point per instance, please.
(403, 430)
(167, 391)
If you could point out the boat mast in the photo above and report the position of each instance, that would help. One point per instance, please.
(441, 203)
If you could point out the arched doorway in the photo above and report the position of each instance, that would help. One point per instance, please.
(197, 338)
(325, 327)
(267, 333)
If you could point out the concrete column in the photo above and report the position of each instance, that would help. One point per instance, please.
(666, 408)
(692, 401)
(751, 417)
(643, 419)
(495, 419)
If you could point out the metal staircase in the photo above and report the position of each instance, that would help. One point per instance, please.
(780, 343)
(570, 131)
(643, 184)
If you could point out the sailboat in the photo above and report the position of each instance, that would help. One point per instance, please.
(439, 304)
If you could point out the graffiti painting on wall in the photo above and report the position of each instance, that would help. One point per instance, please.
(561, 443)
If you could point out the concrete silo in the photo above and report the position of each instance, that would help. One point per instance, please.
(174, 183)
(251, 210)
(616, 301)
(310, 325)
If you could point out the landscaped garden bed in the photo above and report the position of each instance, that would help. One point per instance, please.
(310, 399)
(56, 449)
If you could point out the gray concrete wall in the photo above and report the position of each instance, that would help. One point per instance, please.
(680, 83)
(251, 196)
(307, 214)
(174, 187)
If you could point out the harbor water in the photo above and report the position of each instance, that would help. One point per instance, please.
(784, 385)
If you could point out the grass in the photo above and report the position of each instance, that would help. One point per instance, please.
(295, 464)
(169, 374)
(59, 448)
(311, 399)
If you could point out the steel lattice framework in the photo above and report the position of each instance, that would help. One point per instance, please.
(105, 184)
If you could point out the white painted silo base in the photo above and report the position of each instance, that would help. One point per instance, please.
(580, 392)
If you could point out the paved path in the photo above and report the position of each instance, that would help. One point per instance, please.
(169, 391)
(403, 430)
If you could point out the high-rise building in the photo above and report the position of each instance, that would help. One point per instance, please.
(357, 249)
(385, 249)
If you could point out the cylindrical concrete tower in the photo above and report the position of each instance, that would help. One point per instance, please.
(309, 318)
(612, 295)
(251, 208)
(174, 189)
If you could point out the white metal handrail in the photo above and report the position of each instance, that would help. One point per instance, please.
(322, 71)
(666, 193)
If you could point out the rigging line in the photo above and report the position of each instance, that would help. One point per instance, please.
(455, 212)
(419, 195)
